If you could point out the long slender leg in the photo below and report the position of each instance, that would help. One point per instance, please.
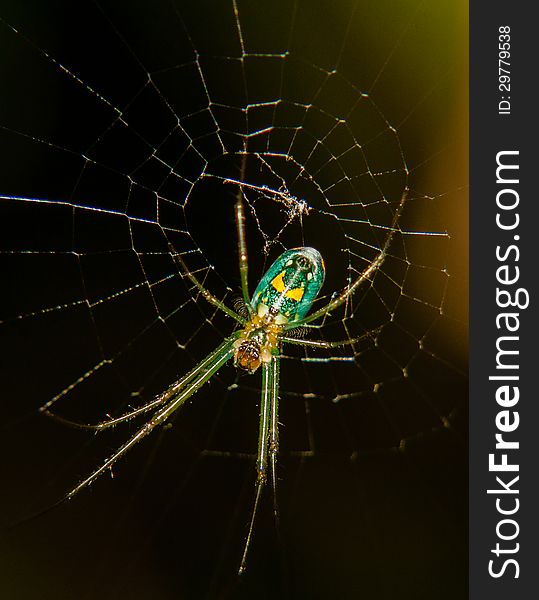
(223, 353)
(264, 436)
(366, 273)
(162, 398)
(239, 212)
(324, 344)
(205, 293)
(274, 432)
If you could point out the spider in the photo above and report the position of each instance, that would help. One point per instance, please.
(279, 305)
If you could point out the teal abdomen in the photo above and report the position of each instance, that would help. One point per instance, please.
(290, 285)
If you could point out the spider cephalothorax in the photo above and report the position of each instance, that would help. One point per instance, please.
(257, 343)
(284, 295)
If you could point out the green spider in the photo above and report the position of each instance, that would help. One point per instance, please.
(280, 304)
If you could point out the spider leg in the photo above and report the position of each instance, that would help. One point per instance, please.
(324, 344)
(205, 293)
(220, 356)
(366, 274)
(165, 396)
(239, 213)
(267, 443)
(274, 434)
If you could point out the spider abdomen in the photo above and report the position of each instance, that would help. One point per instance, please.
(290, 285)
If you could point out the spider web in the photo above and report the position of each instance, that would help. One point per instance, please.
(127, 128)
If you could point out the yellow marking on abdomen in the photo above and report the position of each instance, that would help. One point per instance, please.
(278, 282)
(295, 294)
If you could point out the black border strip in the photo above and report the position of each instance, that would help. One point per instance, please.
(492, 132)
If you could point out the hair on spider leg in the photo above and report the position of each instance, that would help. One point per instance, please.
(240, 307)
(298, 333)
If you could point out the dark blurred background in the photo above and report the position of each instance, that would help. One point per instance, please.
(359, 518)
